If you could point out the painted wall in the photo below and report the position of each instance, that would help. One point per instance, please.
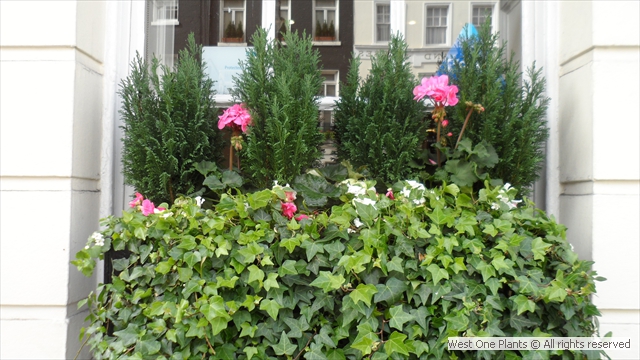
(58, 61)
(593, 165)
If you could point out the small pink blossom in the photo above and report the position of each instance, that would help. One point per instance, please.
(301, 217)
(288, 209)
(389, 194)
(432, 162)
(235, 116)
(445, 123)
(291, 195)
(137, 201)
(147, 207)
(449, 134)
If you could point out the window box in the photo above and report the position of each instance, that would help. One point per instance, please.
(232, 40)
(324, 38)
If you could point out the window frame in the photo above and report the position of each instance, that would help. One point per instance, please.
(449, 7)
(336, 24)
(287, 19)
(335, 81)
(161, 6)
(375, 21)
(223, 25)
(494, 13)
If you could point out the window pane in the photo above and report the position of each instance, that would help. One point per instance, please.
(331, 90)
(320, 16)
(326, 3)
(233, 4)
(331, 17)
(383, 32)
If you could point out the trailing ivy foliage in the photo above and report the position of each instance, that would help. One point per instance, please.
(279, 85)
(514, 118)
(169, 125)
(370, 277)
(378, 124)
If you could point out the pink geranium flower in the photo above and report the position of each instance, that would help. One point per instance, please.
(438, 89)
(147, 207)
(137, 201)
(301, 217)
(445, 123)
(291, 195)
(389, 194)
(288, 209)
(235, 116)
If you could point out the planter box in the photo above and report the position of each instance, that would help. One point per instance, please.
(232, 40)
(324, 38)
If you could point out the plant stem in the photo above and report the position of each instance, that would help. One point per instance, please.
(230, 157)
(438, 142)
(466, 120)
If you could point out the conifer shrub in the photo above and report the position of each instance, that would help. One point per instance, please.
(169, 125)
(258, 276)
(513, 121)
(377, 122)
(279, 85)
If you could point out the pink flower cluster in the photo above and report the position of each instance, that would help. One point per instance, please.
(146, 205)
(289, 208)
(438, 89)
(235, 116)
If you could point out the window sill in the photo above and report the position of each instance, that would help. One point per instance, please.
(224, 44)
(165, 22)
(327, 43)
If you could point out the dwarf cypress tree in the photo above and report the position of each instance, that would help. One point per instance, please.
(279, 85)
(169, 125)
(513, 120)
(378, 124)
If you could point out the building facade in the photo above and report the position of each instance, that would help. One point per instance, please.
(61, 63)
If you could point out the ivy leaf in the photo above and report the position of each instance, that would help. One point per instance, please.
(259, 199)
(363, 293)
(255, 274)
(398, 317)
(395, 344)
(250, 351)
(297, 326)
(437, 273)
(520, 322)
(327, 281)
(395, 265)
(290, 243)
(192, 257)
(391, 290)
(271, 307)
(457, 321)
(314, 189)
(523, 304)
(336, 354)
(284, 347)
(312, 248)
(539, 248)
(271, 281)
(129, 335)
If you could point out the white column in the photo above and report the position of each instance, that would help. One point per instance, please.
(269, 17)
(398, 17)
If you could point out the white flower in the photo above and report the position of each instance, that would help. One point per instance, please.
(405, 192)
(419, 201)
(572, 249)
(275, 183)
(199, 201)
(513, 204)
(507, 186)
(355, 190)
(98, 238)
(357, 222)
(415, 185)
(495, 206)
(350, 230)
(366, 201)
(167, 215)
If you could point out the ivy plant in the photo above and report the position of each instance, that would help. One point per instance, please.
(382, 276)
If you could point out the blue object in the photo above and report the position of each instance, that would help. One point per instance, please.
(455, 53)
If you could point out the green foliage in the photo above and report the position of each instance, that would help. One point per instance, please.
(367, 277)
(513, 120)
(279, 85)
(230, 31)
(378, 124)
(239, 30)
(169, 125)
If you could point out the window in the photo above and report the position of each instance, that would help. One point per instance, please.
(165, 12)
(330, 83)
(326, 20)
(480, 14)
(383, 22)
(232, 24)
(283, 16)
(437, 24)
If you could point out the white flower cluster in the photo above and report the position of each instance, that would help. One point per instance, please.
(199, 201)
(503, 196)
(97, 238)
(414, 185)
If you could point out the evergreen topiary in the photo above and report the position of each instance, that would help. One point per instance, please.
(230, 31)
(169, 125)
(514, 108)
(378, 124)
(239, 30)
(279, 85)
